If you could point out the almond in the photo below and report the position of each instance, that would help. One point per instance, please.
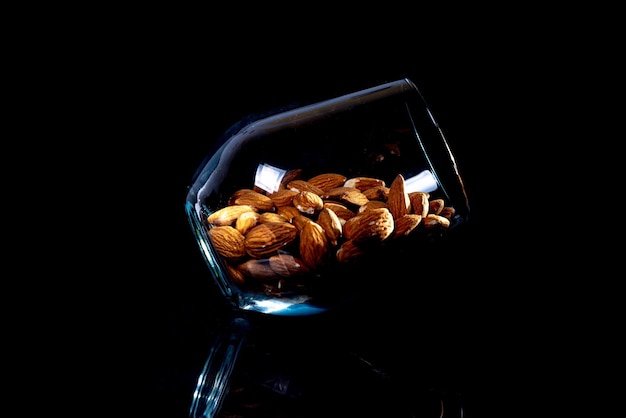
(448, 212)
(286, 265)
(372, 204)
(342, 211)
(327, 181)
(253, 198)
(228, 242)
(291, 175)
(348, 252)
(313, 245)
(363, 183)
(288, 212)
(237, 275)
(267, 217)
(246, 221)
(348, 195)
(265, 239)
(377, 193)
(301, 186)
(432, 221)
(228, 214)
(436, 206)
(331, 224)
(308, 202)
(419, 203)
(300, 220)
(282, 197)
(370, 226)
(257, 269)
(404, 225)
(398, 201)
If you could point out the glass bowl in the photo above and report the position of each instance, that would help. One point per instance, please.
(297, 212)
(306, 209)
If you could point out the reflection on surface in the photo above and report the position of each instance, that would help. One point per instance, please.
(268, 177)
(423, 182)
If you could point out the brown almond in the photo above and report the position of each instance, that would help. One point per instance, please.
(448, 212)
(258, 269)
(372, 204)
(237, 275)
(406, 224)
(291, 175)
(282, 197)
(398, 201)
(432, 221)
(348, 252)
(308, 202)
(313, 245)
(349, 195)
(267, 217)
(377, 193)
(302, 185)
(363, 183)
(436, 206)
(246, 221)
(286, 265)
(300, 220)
(372, 225)
(342, 211)
(265, 239)
(228, 214)
(228, 242)
(288, 212)
(253, 198)
(419, 203)
(327, 181)
(331, 224)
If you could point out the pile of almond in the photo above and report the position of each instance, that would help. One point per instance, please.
(309, 224)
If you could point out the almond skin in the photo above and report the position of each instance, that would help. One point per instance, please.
(406, 224)
(308, 202)
(349, 252)
(432, 221)
(282, 197)
(302, 185)
(448, 212)
(286, 265)
(228, 214)
(260, 202)
(246, 221)
(342, 211)
(257, 269)
(349, 195)
(331, 224)
(363, 183)
(373, 225)
(398, 201)
(265, 239)
(313, 245)
(228, 242)
(436, 206)
(419, 203)
(327, 181)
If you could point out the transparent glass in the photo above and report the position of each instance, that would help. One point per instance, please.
(301, 211)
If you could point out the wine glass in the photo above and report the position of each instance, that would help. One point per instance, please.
(302, 211)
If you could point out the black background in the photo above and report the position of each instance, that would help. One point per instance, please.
(118, 314)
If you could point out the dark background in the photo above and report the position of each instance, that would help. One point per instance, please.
(117, 316)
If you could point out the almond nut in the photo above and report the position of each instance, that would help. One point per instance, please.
(265, 239)
(228, 242)
(370, 226)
